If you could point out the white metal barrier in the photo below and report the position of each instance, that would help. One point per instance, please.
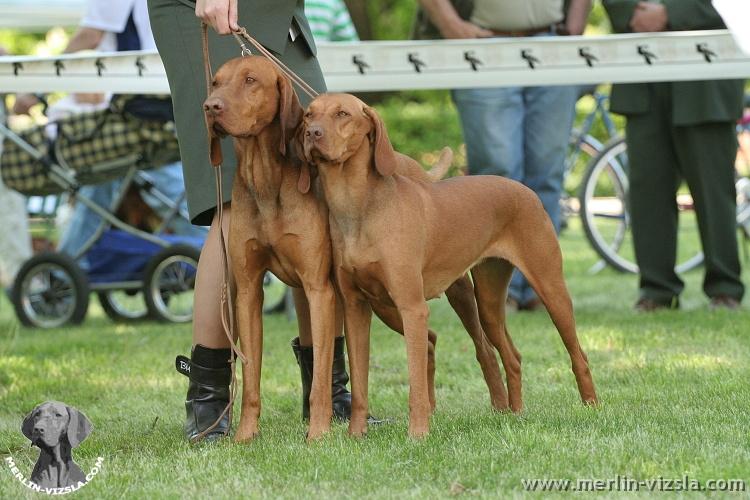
(367, 66)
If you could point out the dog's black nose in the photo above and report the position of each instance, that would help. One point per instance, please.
(39, 430)
(314, 132)
(213, 105)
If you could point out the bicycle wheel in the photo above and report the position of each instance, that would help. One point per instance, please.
(605, 217)
(604, 214)
(581, 151)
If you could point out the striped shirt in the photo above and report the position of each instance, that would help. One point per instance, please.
(330, 21)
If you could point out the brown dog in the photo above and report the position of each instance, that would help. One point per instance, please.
(273, 227)
(278, 224)
(398, 241)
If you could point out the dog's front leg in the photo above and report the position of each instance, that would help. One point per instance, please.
(322, 301)
(249, 308)
(357, 319)
(415, 317)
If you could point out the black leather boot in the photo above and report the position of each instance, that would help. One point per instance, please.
(341, 397)
(209, 371)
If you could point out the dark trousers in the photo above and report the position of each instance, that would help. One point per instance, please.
(178, 36)
(661, 155)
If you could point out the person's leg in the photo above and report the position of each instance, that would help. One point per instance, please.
(549, 118)
(168, 180)
(493, 122)
(207, 326)
(707, 153)
(654, 177)
(85, 222)
(14, 221)
(178, 37)
(210, 362)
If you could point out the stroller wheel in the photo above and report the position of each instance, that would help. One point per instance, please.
(170, 280)
(123, 305)
(50, 291)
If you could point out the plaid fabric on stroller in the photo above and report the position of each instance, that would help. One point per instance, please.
(92, 147)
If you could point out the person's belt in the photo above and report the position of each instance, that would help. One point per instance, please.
(558, 28)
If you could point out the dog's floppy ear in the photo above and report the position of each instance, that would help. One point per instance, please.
(217, 157)
(27, 427)
(79, 427)
(298, 152)
(290, 110)
(384, 156)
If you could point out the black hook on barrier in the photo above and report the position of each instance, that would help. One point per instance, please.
(708, 54)
(139, 64)
(530, 58)
(469, 56)
(99, 66)
(17, 66)
(588, 56)
(361, 65)
(59, 66)
(647, 54)
(416, 61)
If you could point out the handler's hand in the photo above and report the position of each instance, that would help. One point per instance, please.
(649, 17)
(221, 15)
(463, 29)
(23, 104)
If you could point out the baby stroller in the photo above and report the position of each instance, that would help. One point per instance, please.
(136, 273)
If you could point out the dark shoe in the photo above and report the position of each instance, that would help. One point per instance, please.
(532, 305)
(208, 392)
(304, 355)
(645, 305)
(340, 395)
(512, 305)
(724, 302)
(341, 398)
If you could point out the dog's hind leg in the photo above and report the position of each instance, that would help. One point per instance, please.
(491, 279)
(461, 297)
(546, 277)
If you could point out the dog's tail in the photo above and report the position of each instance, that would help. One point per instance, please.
(440, 168)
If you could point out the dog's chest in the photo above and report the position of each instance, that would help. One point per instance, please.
(367, 275)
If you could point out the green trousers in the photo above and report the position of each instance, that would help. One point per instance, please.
(178, 37)
(661, 155)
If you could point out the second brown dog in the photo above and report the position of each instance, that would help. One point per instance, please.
(398, 241)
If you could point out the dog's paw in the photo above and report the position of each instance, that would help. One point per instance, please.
(317, 434)
(357, 430)
(246, 433)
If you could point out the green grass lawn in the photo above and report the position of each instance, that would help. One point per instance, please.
(673, 385)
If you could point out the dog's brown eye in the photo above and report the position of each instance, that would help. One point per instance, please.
(308, 115)
(249, 79)
(342, 114)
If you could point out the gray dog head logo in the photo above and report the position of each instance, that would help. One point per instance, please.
(56, 428)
